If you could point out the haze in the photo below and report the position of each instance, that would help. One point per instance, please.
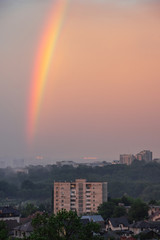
(102, 95)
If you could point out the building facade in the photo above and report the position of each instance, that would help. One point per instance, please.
(80, 196)
(9, 213)
(127, 158)
(145, 155)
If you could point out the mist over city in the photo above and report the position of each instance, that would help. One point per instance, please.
(100, 96)
(79, 119)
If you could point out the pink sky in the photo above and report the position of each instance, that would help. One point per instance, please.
(102, 96)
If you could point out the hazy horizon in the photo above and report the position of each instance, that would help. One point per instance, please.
(102, 94)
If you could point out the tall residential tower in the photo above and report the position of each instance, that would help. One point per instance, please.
(80, 196)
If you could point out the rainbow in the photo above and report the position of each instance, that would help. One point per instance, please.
(43, 59)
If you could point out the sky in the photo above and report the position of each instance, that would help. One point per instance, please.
(101, 97)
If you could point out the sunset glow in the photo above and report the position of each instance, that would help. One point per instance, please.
(79, 78)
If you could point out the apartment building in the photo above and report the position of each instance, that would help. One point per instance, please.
(80, 196)
(145, 155)
(127, 158)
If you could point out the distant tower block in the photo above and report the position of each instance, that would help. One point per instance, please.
(126, 158)
(145, 155)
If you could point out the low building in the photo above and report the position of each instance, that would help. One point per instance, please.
(143, 226)
(154, 213)
(153, 209)
(9, 213)
(155, 216)
(23, 230)
(117, 224)
(11, 224)
(95, 218)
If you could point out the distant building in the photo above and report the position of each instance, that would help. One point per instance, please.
(157, 160)
(116, 162)
(80, 196)
(9, 213)
(21, 170)
(145, 155)
(97, 164)
(127, 158)
(67, 163)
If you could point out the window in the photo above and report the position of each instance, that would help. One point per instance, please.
(88, 195)
(88, 186)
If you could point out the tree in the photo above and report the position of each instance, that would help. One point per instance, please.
(138, 210)
(127, 200)
(106, 209)
(63, 226)
(29, 209)
(119, 211)
(3, 231)
(27, 184)
(153, 202)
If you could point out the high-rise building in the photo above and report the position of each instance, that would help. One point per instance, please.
(127, 158)
(145, 155)
(80, 196)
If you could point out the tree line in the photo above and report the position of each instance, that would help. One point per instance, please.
(139, 180)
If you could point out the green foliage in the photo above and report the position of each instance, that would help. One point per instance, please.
(106, 209)
(126, 200)
(153, 202)
(114, 207)
(27, 184)
(139, 180)
(63, 226)
(119, 211)
(29, 209)
(138, 210)
(3, 231)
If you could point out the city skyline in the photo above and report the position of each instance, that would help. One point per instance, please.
(102, 91)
